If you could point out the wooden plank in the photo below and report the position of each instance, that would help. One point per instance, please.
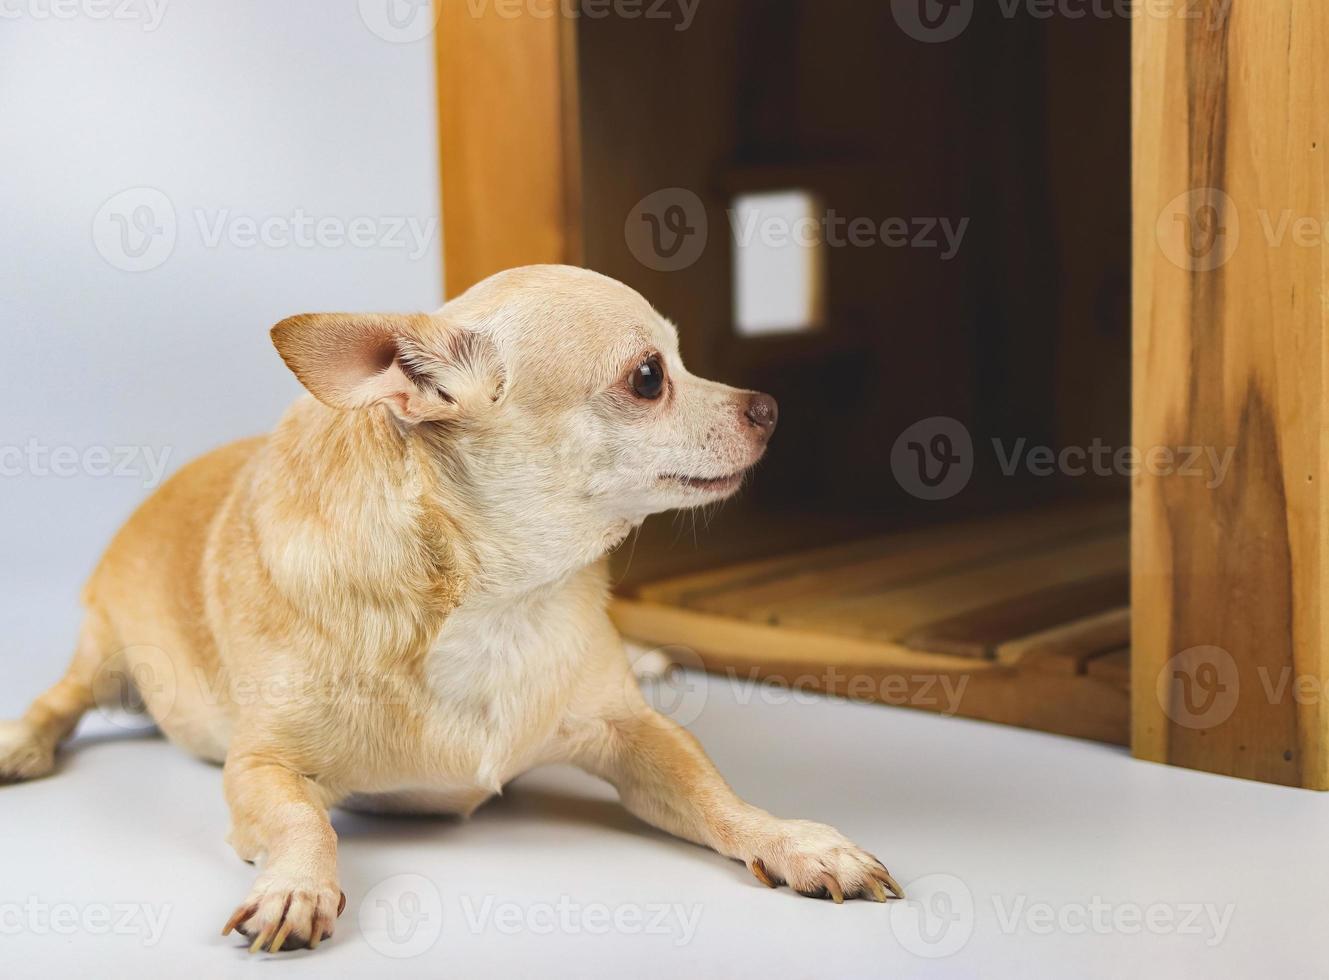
(894, 613)
(959, 590)
(509, 137)
(1231, 119)
(900, 592)
(1066, 704)
(979, 632)
(1112, 668)
(764, 587)
(1070, 647)
(769, 645)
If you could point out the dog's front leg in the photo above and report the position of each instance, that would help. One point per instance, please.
(665, 778)
(279, 820)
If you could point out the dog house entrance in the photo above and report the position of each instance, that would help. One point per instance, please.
(920, 244)
(924, 255)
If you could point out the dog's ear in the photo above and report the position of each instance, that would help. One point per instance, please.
(423, 368)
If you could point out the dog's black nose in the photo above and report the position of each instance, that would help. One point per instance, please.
(762, 412)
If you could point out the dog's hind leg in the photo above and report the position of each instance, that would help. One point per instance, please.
(27, 746)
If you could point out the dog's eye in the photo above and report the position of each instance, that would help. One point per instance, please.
(648, 378)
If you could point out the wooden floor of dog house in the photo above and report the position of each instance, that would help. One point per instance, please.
(1022, 618)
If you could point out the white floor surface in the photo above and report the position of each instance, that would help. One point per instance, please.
(1025, 855)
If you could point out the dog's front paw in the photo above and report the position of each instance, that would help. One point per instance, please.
(820, 862)
(287, 912)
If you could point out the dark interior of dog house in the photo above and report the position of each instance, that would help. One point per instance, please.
(971, 201)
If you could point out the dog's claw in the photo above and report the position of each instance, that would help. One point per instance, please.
(287, 915)
(237, 917)
(889, 881)
(280, 939)
(833, 886)
(819, 862)
(759, 872)
(262, 940)
(341, 905)
(886, 878)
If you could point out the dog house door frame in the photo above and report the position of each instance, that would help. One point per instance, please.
(1229, 639)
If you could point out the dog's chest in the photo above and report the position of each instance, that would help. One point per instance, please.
(498, 677)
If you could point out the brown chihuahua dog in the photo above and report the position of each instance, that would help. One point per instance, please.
(397, 600)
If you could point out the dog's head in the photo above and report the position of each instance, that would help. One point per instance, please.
(548, 395)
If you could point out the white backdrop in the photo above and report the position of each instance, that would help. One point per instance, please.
(291, 151)
(257, 158)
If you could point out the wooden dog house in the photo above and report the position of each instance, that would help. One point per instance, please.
(1119, 287)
